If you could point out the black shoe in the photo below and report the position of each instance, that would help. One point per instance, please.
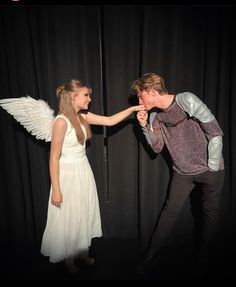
(148, 260)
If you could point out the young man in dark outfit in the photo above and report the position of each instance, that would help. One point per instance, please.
(193, 138)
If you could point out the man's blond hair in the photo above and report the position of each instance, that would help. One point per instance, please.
(147, 82)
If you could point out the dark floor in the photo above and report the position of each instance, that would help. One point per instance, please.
(116, 259)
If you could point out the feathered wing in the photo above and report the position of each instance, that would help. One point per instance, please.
(35, 115)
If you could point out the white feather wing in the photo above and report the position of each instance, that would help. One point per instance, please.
(35, 115)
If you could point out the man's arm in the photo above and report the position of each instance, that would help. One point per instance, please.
(197, 109)
(147, 127)
(151, 130)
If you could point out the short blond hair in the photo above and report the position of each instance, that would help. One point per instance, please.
(148, 81)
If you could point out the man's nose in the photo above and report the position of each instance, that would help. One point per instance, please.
(140, 101)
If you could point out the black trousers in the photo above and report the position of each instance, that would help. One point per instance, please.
(181, 186)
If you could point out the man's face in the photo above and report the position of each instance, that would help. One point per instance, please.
(146, 98)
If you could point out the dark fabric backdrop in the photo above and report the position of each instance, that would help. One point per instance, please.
(193, 48)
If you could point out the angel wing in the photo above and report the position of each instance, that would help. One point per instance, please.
(35, 115)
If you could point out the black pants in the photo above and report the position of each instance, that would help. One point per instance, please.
(181, 187)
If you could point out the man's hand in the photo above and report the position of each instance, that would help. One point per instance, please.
(142, 117)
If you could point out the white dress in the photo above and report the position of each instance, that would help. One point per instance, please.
(69, 230)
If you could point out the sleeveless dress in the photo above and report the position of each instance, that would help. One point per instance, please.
(69, 229)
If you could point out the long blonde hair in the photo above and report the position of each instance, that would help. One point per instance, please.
(66, 108)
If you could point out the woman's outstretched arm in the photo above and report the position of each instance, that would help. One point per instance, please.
(94, 119)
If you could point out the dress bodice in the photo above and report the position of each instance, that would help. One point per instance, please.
(71, 148)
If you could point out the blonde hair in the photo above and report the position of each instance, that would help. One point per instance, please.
(63, 92)
(148, 81)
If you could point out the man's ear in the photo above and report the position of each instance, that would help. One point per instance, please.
(154, 92)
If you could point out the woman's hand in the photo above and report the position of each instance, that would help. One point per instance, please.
(56, 198)
(142, 117)
(138, 108)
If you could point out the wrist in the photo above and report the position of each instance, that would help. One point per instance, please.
(144, 125)
(56, 191)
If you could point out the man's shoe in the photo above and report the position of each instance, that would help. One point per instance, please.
(147, 261)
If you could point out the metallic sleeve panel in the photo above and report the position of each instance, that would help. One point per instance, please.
(215, 152)
(194, 107)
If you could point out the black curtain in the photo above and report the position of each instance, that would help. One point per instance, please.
(108, 47)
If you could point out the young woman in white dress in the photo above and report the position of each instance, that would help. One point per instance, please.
(73, 208)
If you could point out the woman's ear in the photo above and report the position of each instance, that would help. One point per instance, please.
(73, 95)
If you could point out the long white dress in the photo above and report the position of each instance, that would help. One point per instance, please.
(69, 230)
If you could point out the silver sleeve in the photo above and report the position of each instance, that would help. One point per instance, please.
(215, 152)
